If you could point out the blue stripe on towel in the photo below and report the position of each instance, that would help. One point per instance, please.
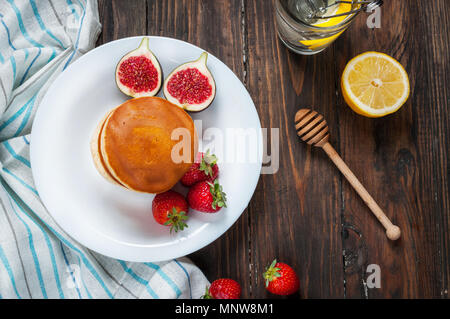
(85, 261)
(9, 271)
(74, 12)
(15, 115)
(65, 241)
(33, 252)
(20, 180)
(50, 250)
(187, 275)
(8, 34)
(81, 3)
(77, 41)
(52, 56)
(22, 26)
(13, 65)
(140, 280)
(42, 25)
(82, 281)
(15, 155)
(69, 270)
(165, 277)
(29, 67)
(25, 118)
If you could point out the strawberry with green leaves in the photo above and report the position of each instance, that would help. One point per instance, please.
(204, 169)
(223, 288)
(281, 279)
(207, 197)
(170, 209)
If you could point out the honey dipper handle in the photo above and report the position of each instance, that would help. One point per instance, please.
(392, 231)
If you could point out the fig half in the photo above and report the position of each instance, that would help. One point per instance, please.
(138, 73)
(191, 85)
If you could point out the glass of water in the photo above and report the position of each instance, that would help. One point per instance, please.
(306, 26)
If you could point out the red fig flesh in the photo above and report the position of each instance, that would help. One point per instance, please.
(191, 85)
(138, 73)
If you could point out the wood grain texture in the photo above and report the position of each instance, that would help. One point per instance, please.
(402, 157)
(121, 19)
(294, 214)
(306, 214)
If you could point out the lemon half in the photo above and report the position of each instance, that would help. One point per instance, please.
(374, 84)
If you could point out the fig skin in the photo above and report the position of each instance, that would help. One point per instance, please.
(211, 78)
(159, 68)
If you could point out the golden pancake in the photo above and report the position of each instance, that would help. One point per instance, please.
(96, 152)
(136, 144)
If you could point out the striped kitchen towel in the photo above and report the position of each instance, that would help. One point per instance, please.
(38, 40)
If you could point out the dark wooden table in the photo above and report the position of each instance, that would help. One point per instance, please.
(307, 215)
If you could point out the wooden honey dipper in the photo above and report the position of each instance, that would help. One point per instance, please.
(313, 129)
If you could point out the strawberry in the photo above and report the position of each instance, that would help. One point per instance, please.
(170, 209)
(204, 169)
(281, 279)
(207, 197)
(223, 289)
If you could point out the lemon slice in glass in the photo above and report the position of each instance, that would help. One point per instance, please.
(316, 43)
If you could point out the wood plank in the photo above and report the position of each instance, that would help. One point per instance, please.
(402, 158)
(121, 19)
(216, 27)
(295, 213)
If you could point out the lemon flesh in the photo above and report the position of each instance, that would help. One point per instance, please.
(374, 84)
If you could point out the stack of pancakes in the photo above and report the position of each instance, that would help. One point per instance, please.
(133, 146)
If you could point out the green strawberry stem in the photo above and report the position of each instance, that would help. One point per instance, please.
(271, 272)
(207, 295)
(219, 197)
(176, 220)
(208, 161)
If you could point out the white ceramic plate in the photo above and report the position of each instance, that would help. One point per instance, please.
(110, 219)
